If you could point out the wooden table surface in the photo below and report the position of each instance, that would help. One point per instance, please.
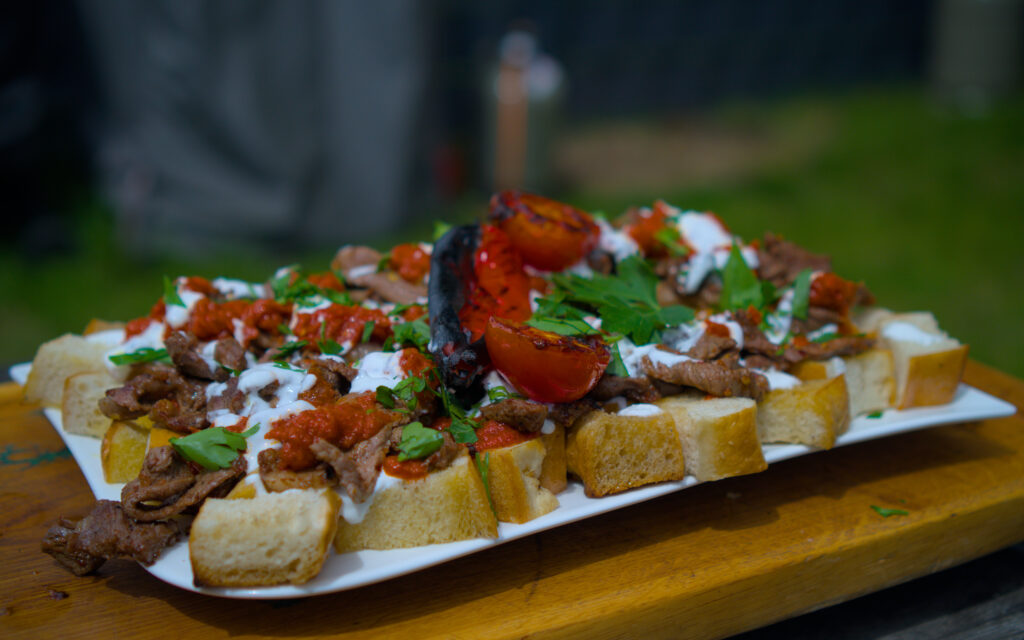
(706, 562)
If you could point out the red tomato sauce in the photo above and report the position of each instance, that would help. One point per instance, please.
(325, 280)
(496, 435)
(716, 329)
(407, 469)
(410, 261)
(353, 419)
(343, 324)
(832, 292)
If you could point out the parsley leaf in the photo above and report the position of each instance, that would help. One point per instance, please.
(874, 415)
(213, 448)
(288, 348)
(562, 326)
(440, 228)
(368, 331)
(386, 397)
(740, 286)
(416, 333)
(418, 441)
(825, 337)
(626, 302)
(171, 296)
(801, 294)
(326, 345)
(500, 392)
(462, 428)
(280, 364)
(616, 366)
(669, 237)
(885, 512)
(483, 465)
(143, 354)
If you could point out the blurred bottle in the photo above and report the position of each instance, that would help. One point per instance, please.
(977, 51)
(524, 94)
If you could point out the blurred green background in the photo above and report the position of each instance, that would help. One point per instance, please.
(924, 204)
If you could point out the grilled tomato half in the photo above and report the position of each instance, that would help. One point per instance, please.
(548, 234)
(545, 366)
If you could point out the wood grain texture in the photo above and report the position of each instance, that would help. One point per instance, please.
(706, 562)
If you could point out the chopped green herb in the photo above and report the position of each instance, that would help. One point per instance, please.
(740, 286)
(385, 397)
(440, 228)
(285, 329)
(562, 326)
(368, 331)
(885, 513)
(462, 428)
(825, 337)
(288, 348)
(384, 263)
(171, 296)
(483, 465)
(874, 414)
(326, 345)
(801, 294)
(418, 441)
(669, 237)
(616, 366)
(278, 364)
(416, 333)
(213, 448)
(500, 392)
(143, 354)
(626, 302)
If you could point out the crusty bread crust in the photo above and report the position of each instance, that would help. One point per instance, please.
(814, 413)
(446, 506)
(932, 378)
(719, 435)
(611, 453)
(275, 538)
(553, 474)
(514, 477)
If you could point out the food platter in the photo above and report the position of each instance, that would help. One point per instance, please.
(351, 570)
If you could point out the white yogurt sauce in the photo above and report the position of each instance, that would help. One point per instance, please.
(377, 369)
(908, 332)
(640, 410)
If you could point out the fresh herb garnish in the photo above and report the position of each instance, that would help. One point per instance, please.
(288, 348)
(740, 286)
(670, 238)
(384, 263)
(301, 291)
(418, 441)
(483, 465)
(616, 366)
(326, 345)
(285, 329)
(440, 228)
(885, 512)
(626, 302)
(404, 392)
(171, 296)
(416, 333)
(462, 428)
(825, 337)
(801, 294)
(874, 415)
(562, 326)
(279, 364)
(500, 392)
(368, 331)
(143, 354)
(213, 448)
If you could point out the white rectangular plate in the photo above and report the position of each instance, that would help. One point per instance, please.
(350, 570)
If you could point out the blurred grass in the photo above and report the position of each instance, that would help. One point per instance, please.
(924, 205)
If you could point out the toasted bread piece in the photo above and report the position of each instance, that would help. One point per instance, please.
(813, 413)
(275, 538)
(96, 326)
(56, 361)
(122, 451)
(553, 474)
(446, 506)
(928, 363)
(870, 378)
(79, 409)
(514, 481)
(614, 452)
(719, 435)
(158, 436)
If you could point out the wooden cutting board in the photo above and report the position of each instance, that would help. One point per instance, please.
(706, 562)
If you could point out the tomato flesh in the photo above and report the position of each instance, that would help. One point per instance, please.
(501, 287)
(545, 366)
(548, 234)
